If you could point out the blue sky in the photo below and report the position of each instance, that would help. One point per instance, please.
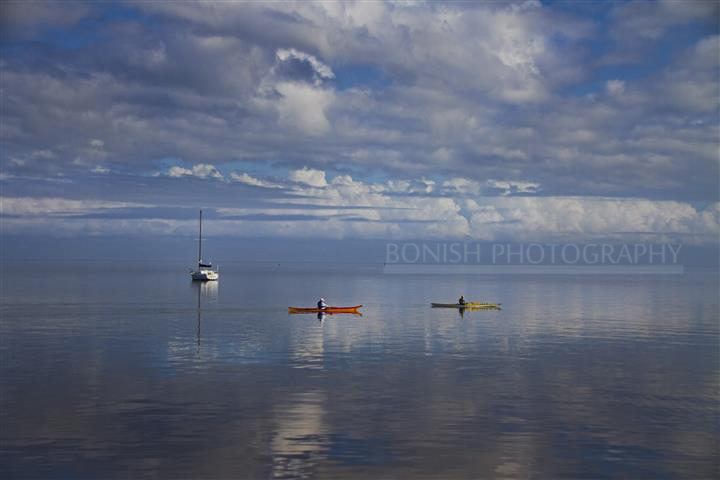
(490, 121)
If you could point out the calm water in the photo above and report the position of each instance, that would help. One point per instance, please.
(133, 371)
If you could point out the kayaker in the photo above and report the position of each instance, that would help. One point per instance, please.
(321, 304)
(462, 300)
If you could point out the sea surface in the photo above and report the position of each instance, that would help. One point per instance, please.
(130, 370)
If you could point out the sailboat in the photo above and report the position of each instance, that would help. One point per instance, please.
(204, 271)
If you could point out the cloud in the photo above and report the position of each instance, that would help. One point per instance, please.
(221, 95)
(321, 71)
(462, 186)
(28, 17)
(392, 215)
(309, 176)
(508, 187)
(615, 87)
(647, 21)
(395, 209)
(481, 101)
(465, 186)
(201, 170)
(303, 107)
(528, 218)
(29, 206)
(249, 180)
(692, 84)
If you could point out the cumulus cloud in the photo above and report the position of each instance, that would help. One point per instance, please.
(462, 186)
(451, 71)
(401, 209)
(309, 176)
(347, 207)
(200, 170)
(465, 186)
(508, 187)
(480, 102)
(472, 215)
(528, 218)
(303, 107)
(429, 185)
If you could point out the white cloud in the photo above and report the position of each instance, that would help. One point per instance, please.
(398, 186)
(428, 184)
(543, 218)
(31, 206)
(362, 210)
(100, 169)
(303, 107)
(509, 187)
(462, 186)
(250, 180)
(691, 84)
(506, 217)
(309, 176)
(345, 180)
(322, 71)
(466, 186)
(200, 170)
(439, 78)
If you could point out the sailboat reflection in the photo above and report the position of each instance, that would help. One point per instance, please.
(207, 291)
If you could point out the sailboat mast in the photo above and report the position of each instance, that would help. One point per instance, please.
(200, 242)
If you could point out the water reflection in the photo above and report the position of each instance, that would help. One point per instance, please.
(307, 346)
(209, 292)
(299, 439)
(572, 378)
(462, 311)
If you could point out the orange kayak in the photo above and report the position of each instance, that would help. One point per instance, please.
(324, 310)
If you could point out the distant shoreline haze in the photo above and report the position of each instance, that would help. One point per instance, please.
(182, 249)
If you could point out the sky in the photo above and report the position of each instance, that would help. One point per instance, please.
(470, 121)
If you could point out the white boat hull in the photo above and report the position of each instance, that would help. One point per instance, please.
(204, 275)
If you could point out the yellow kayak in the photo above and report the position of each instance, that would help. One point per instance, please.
(466, 305)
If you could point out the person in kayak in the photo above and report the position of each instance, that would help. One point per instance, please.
(462, 300)
(321, 304)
